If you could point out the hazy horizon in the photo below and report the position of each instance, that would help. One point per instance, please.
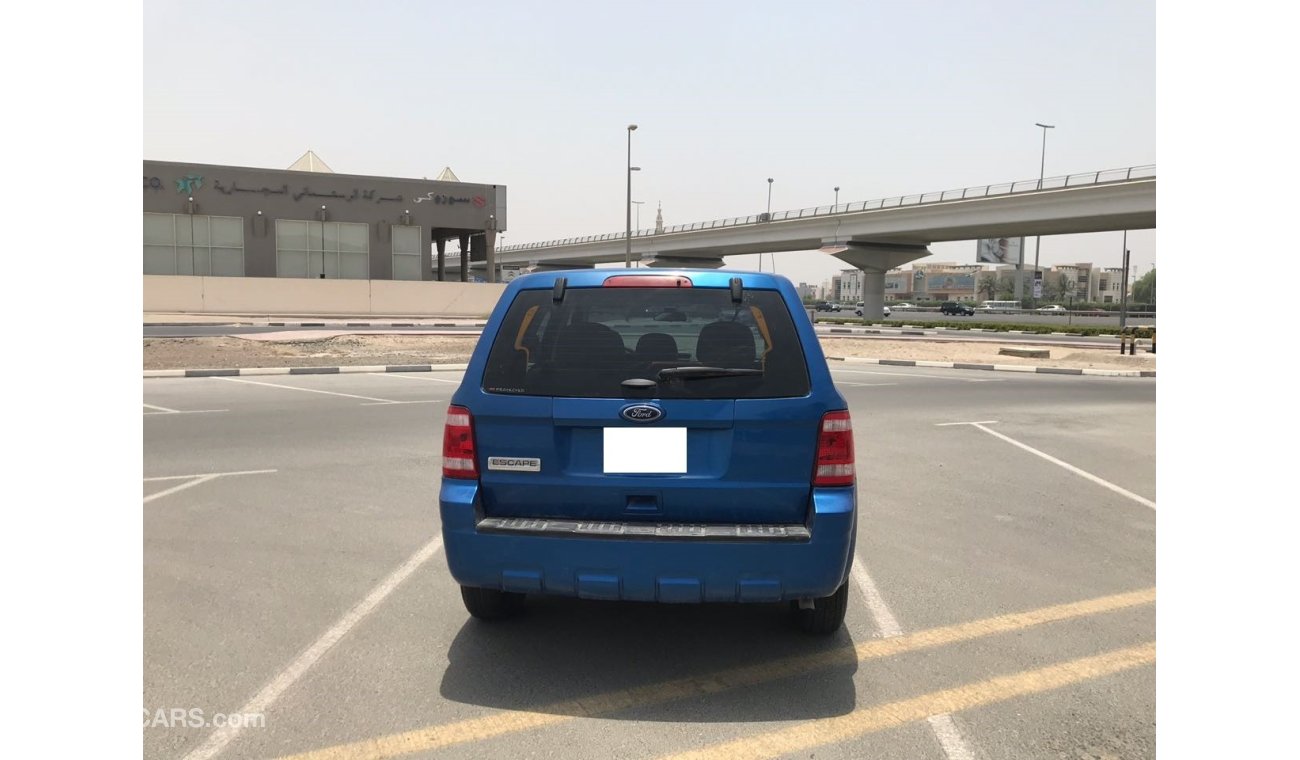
(537, 98)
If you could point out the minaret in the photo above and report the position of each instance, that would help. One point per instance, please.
(659, 219)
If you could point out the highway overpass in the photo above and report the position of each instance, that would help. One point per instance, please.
(874, 236)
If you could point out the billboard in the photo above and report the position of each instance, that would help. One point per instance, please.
(949, 283)
(998, 251)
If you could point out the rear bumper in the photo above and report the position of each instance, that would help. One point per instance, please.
(694, 568)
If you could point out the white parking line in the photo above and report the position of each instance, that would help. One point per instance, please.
(209, 474)
(1064, 465)
(949, 737)
(945, 731)
(921, 374)
(181, 487)
(309, 656)
(175, 411)
(880, 614)
(196, 479)
(306, 390)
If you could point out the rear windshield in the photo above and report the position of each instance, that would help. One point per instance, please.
(589, 343)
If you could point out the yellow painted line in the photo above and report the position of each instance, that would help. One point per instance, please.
(513, 721)
(868, 720)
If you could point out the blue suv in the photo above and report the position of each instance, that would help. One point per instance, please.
(650, 435)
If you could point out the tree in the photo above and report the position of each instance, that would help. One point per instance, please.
(1144, 290)
(988, 285)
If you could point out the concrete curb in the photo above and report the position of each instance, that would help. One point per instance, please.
(247, 371)
(899, 328)
(315, 324)
(376, 324)
(999, 367)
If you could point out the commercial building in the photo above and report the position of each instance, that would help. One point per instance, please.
(946, 281)
(309, 222)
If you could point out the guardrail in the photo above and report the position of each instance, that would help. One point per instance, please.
(1103, 177)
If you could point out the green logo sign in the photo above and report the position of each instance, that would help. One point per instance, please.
(188, 184)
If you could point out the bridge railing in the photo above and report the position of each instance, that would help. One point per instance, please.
(946, 196)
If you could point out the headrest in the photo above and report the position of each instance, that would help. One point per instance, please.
(725, 344)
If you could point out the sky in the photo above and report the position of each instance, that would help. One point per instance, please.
(880, 99)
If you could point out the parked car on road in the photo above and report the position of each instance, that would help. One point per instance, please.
(710, 460)
(958, 309)
(1053, 309)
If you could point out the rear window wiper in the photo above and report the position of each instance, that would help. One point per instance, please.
(690, 373)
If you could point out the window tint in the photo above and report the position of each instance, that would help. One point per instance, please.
(586, 345)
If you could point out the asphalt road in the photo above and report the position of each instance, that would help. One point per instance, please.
(311, 589)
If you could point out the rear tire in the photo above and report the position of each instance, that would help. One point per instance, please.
(490, 604)
(827, 615)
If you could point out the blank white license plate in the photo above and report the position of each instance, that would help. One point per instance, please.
(645, 450)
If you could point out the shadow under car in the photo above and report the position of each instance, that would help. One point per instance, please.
(563, 649)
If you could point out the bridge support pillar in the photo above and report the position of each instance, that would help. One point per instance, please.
(874, 259)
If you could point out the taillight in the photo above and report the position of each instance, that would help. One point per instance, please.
(458, 444)
(834, 451)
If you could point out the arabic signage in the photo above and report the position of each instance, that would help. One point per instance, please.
(192, 182)
(305, 192)
(440, 198)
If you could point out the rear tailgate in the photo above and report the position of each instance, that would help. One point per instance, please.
(745, 462)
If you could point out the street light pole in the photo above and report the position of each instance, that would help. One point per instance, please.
(1042, 164)
(769, 218)
(638, 205)
(627, 257)
(837, 196)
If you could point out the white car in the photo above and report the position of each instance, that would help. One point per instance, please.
(1053, 309)
(903, 306)
(858, 311)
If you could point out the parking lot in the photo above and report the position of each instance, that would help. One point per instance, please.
(1004, 601)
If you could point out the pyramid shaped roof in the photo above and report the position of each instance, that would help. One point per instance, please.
(310, 162)
(447, 175)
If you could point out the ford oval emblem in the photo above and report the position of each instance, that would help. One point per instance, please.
(641, 413)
